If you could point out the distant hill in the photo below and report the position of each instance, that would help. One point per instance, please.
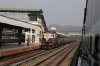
(65, 28)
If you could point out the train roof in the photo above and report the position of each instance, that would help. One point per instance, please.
(50, 32)
(62, 34)
(53, 32)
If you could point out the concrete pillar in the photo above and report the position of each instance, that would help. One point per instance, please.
(1, 29)
(31, 35)
(19, 35)
(37, 36)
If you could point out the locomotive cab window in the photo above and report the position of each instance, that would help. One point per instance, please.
(53, 35)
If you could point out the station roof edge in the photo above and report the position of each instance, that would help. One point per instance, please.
(20, 10)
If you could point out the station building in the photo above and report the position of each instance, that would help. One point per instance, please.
(30, 16)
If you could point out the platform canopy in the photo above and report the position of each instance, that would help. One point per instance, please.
(44, 23)
(14, 22)
(21, 10)
(9, 21)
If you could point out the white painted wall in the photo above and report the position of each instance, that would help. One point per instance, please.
(37, 36)
(37, 32)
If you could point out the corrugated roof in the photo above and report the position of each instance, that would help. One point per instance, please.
(20, 10)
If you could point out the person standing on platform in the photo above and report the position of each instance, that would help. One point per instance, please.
(28, 41)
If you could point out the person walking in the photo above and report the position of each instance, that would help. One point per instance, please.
(28, 41)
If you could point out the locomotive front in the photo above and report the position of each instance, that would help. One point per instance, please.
(48, 40)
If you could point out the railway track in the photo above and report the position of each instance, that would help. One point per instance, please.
(55, 59)
(68, 58)
(52, 58)
(7, 61)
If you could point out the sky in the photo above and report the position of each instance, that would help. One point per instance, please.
(61, 12)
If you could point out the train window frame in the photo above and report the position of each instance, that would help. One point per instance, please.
(90, 43)
(95, 48)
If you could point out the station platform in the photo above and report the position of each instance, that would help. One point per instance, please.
(14, 48)
(16, 45)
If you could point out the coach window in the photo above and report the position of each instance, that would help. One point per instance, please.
(96, 45)
(90, 47)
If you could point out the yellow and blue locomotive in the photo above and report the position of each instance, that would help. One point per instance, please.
(49, 40)
(52, 39)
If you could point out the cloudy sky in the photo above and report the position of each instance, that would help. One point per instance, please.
(62, 12)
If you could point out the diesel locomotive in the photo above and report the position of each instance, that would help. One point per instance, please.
(52, 39)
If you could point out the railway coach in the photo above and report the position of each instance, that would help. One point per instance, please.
(11, 37)
(91, 34)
